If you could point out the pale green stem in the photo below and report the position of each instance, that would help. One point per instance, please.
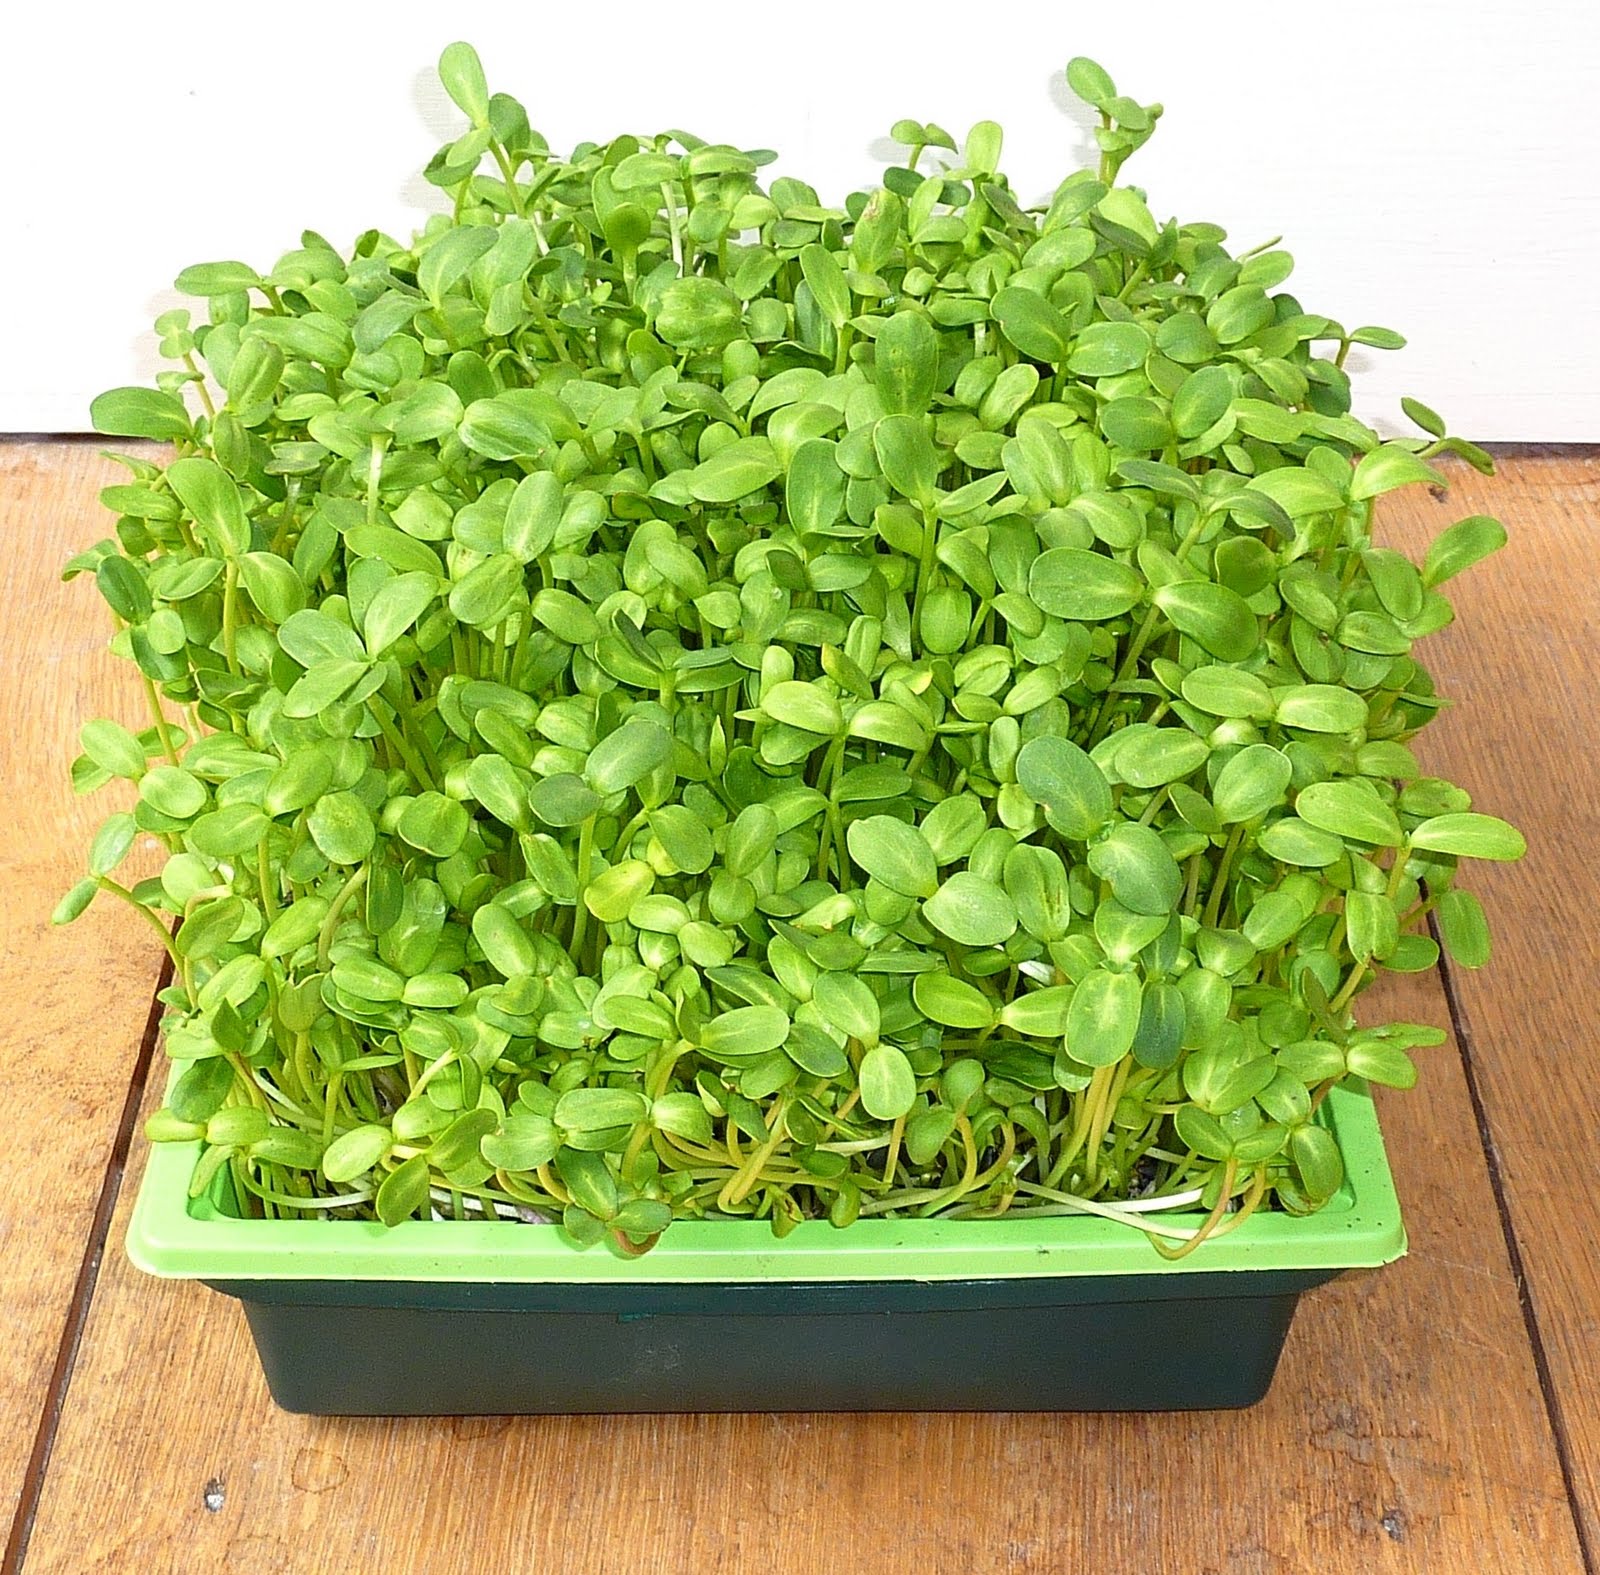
(335, 912)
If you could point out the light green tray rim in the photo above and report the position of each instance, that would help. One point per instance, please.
(171, 1236)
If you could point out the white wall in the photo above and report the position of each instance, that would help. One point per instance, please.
(1434, 166)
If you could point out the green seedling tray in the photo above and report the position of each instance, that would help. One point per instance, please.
(499, 1317)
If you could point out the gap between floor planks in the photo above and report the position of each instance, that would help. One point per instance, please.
(1462, 1030)
(77, 1313)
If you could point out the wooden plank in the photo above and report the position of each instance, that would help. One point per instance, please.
(1388, 1443)
(1405, 1432)
(75, 1001)
(1525, 740)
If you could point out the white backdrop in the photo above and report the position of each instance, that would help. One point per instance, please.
(1434, 165)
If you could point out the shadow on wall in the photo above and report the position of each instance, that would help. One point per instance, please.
(1083, 153)
(443, 122)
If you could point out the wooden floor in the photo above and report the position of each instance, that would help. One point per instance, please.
(1442, 1415)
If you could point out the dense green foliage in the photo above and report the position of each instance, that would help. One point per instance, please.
(670, 698)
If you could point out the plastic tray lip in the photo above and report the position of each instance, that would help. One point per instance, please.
(165, 1238)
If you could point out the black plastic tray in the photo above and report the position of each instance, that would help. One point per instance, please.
(1118, 1342)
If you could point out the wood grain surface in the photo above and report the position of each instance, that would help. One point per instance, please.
(1524, 738)
(1407, 1430)
(75, 1001)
